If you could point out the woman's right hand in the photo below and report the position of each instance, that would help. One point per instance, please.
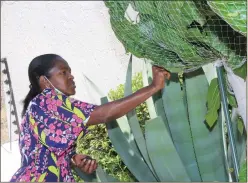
(159, 76)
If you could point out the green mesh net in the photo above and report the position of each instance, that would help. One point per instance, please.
(181, 35)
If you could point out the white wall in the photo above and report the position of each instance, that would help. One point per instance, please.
(78, 31)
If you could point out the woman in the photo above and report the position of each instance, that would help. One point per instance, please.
(53, 121)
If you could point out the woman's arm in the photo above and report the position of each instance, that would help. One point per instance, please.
(113, 110)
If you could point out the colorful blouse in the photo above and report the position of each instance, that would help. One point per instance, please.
(49, 131)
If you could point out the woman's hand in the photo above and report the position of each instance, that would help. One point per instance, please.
(85, 163)
(159, 77)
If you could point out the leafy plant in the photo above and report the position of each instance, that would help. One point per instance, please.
(233, 13)
(141, 110)
(98, 145)
(181, 41)
(213, 100)
(181, 36)
(243, 172)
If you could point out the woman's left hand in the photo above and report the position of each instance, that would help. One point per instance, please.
(84, 163)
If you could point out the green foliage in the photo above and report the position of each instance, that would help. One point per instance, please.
(180, 35)
(240, 125)
(141, 110)
(243, 172)
(97, 143)
(213, 101)
(233, 12)
(231, 100)
(241, 71)
(163, 153)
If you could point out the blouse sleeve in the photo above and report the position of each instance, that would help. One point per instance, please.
(58, 121)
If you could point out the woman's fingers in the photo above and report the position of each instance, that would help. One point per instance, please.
(86, 165)
(92, 166)
(159, 76)
(89, 167)
(167, 75)
(82, 163)
(77, 159)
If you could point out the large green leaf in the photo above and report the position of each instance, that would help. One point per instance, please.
(157, 98)
(149, 101)
(208, 144)
(176, 112)
(133, 119)
(127, 132)
(213, 103)
(176, 35)
(103, 177)
(233, 12)
(132, 159)
(241, 71)
(98, 176)
(124, 126)
(86, 177)
(162, 152)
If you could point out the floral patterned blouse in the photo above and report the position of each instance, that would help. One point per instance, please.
(49, 131)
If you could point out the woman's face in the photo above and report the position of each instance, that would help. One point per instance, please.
(61, 77)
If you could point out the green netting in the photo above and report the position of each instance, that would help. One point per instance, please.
(181, 35)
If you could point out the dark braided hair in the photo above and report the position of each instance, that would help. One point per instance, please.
(39, 66)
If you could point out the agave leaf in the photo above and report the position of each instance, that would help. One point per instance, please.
(179, 34)
(162, 152)
(208, 144)
(98, 176)
(93, 86)
(146, 7)
(127, 132)
(149, 101)
(233, 12)
(157, 98)
(133, 119)
(128, 84)
(129, 156)
(86, 177)
(104, 177)
(123, 122)
(176, 112)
